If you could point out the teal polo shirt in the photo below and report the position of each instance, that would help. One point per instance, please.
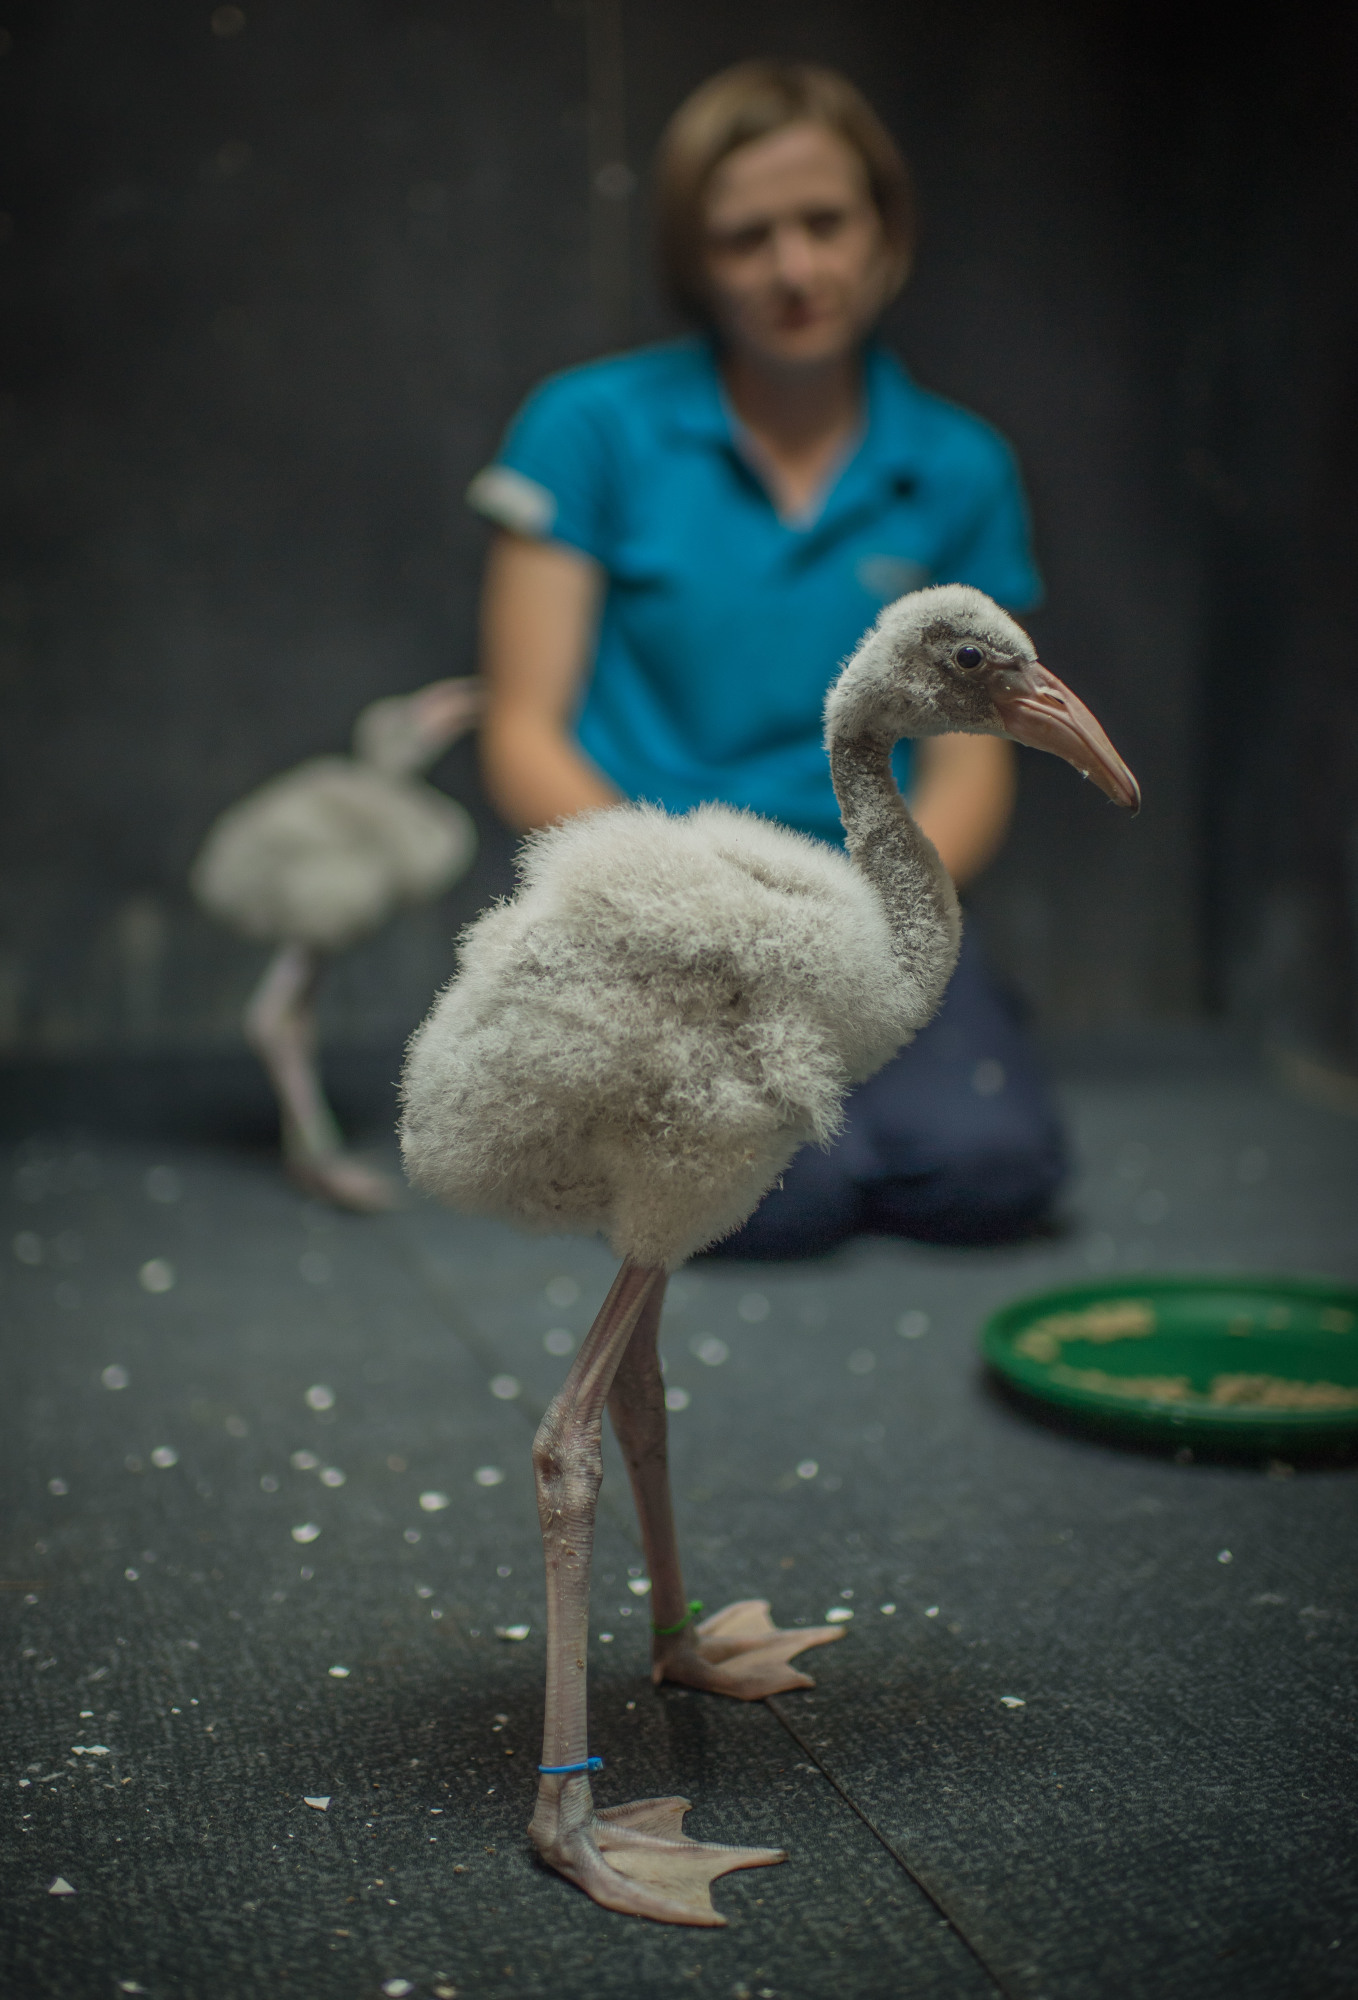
(723, 623)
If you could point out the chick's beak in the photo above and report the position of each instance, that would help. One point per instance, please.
(444, 709)
(1038, 709)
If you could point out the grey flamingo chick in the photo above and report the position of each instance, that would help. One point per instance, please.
(317, 859)
(637, 1044)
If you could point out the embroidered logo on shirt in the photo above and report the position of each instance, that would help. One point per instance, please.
(888, 577)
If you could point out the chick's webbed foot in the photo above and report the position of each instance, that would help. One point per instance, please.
(343, 1180)
(636, 1859)
(739, 1651)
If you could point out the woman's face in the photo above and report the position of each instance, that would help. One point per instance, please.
(798, 266)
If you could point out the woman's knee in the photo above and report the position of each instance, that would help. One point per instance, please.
(815, 1206)
(990, 1195)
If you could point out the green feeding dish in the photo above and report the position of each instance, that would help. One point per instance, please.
(1261, 1365)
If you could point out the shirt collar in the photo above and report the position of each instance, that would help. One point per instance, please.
(697, 404)
(889, 449)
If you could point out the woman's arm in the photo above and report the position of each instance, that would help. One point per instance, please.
(963, 798)
(539, 608)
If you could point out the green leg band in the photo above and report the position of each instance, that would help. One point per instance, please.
(668, 1631)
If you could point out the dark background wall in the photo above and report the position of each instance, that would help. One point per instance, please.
(273, 281)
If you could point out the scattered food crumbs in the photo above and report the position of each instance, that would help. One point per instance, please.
(639, 1585)
(1013, 1701)
(808, 1469)
(321, 1802)
(433, 1503)
(605, 1638)
(631, 1704)
(505, 1387)
(838, 1614)
(156, 1275)
(132, 1574)
(512, 1631)
(164, 1456)
(307, 1532)
(677, 1399)
(304, 1461)
(338, 1673)
(484, 1475)
(398, 1988)
(932, 1611)
(59, 1886)
(332, 1476)
(57, 1486)
(115, 1376)
(1224, 1556)
(887, 1610)
(319, 1397)
(442, 1990)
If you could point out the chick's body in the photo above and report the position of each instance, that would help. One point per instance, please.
(324, 853)
(641, 1039)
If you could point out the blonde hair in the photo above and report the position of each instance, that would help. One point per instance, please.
(751, 101)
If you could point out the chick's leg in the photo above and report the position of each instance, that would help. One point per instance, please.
(280, 1025)
(739, 1650)
(632, 1858)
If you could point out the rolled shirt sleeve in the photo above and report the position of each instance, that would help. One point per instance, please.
(552, 475)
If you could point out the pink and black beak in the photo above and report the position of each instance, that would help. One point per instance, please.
(1041, 711)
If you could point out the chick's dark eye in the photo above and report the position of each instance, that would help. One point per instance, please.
(969, 656)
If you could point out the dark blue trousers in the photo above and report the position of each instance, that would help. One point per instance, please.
(957, 1140)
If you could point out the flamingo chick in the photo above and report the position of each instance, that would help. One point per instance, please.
(317, 859)
(637, 1044)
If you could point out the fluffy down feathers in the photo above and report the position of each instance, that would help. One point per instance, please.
(641, 1039)
(325, 853)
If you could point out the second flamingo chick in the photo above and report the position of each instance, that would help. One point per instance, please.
(314, 861)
